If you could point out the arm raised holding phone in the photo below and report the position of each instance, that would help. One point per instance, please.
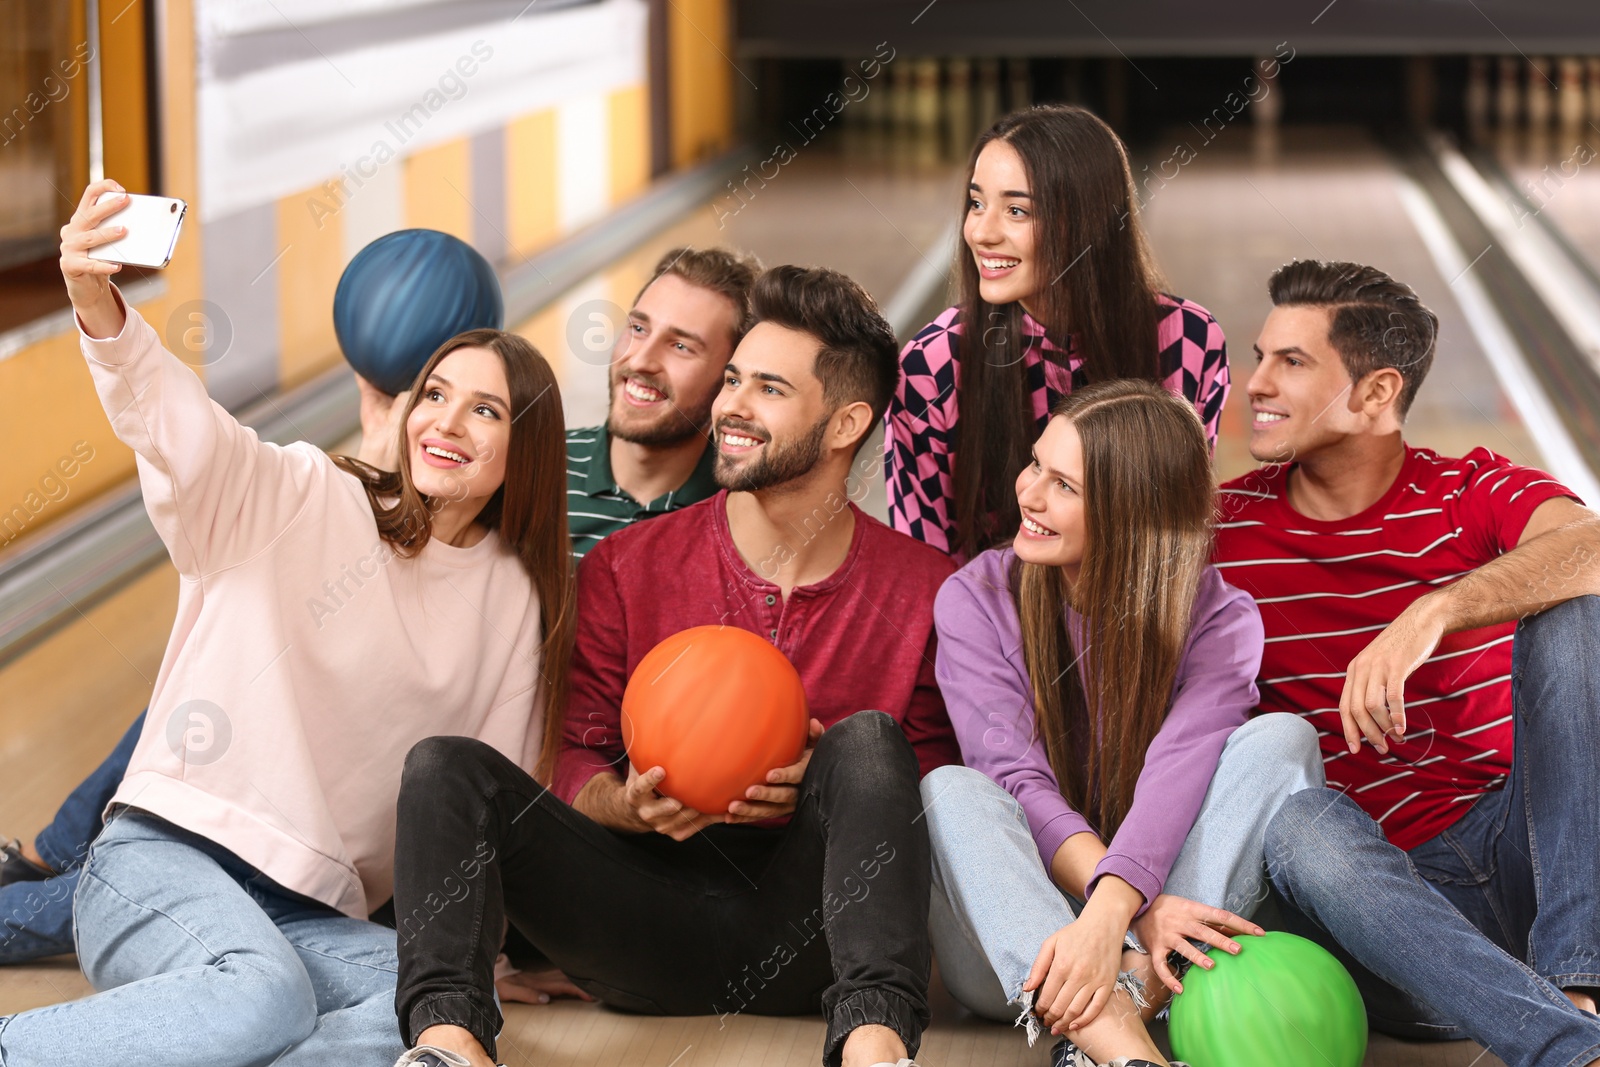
(215, 492)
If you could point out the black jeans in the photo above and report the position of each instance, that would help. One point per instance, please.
(829, 912)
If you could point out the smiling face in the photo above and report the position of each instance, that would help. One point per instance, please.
(667, 368)
(1053, 531)
(1300, 393)
(458, 435)
(999, 228)
(770, 418)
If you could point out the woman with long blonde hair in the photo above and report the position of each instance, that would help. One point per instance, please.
(1100, 675)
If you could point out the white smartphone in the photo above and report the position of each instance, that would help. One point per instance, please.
(153, 223)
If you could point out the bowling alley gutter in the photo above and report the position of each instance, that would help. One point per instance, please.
(101, 546)
(1531, 300)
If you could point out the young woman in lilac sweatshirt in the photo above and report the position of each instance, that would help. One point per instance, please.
(1100, 674)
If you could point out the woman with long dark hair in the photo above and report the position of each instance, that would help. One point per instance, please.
(330, 616)
(1058, 290)
(1099, 674)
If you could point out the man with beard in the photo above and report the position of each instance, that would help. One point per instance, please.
(665, 372)
(651, 455)
(812, 893)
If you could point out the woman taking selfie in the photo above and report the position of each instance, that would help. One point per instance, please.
(1099, 674)
(329, 617)
(1058, 290)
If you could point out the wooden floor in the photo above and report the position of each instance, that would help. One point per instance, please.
(1218, 229)
(570, 1034)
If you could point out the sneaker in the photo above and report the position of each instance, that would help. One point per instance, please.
(1066, 1054)
(15, 867)
(900, 1063)
(428, 1056)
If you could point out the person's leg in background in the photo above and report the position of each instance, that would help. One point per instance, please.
(192, 970)
(37, 885)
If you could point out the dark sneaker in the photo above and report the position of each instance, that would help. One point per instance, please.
(428, 1056)
(15, 867)
(1066, 1054)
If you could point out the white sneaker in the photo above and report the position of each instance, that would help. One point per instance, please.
(429, 1056)
(902, 1063)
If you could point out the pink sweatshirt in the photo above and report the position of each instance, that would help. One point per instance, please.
(306, 658)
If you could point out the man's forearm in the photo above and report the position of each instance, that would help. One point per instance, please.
(1547, 570)
(601, 800)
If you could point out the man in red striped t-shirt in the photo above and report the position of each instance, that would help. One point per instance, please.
(1456, 855)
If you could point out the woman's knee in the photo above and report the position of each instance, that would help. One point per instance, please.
(1277, 742)
(957, 800)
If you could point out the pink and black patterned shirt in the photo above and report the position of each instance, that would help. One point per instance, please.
(921, 432)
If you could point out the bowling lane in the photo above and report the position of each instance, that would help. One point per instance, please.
(1559, 177)
(874, 219)
(1238, 210)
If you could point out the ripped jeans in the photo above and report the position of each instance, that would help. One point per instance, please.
(994, 904)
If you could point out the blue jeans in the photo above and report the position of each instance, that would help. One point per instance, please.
(1476, 932)
(36, 917)
(994, 903)
(202, 961)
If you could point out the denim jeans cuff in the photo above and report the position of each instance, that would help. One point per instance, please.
(455, 1009)
(1587, 980)
(868, 1007)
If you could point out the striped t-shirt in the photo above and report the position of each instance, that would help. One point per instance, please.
(1326, 589)
(597, 505)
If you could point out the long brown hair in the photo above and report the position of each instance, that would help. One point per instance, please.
(1102, 289)
(528, 512)
(1100, 694)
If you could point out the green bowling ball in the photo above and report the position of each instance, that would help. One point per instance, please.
(1281, 1000)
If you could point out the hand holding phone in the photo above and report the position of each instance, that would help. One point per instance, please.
(88, 278)
(152, 225)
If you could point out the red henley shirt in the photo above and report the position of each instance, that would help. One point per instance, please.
(862, 638)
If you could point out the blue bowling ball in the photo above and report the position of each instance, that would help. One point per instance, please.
(404, 295)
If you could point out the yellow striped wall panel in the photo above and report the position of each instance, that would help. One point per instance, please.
(307, 275)
(531, 208)
(629, 114)
(438, 183)
(60, 450)
(701, 76)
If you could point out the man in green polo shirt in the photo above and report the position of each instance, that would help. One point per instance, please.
(650, 457)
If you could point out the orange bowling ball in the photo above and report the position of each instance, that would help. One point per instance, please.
(716, 707)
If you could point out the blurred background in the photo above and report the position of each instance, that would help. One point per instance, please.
(1452, 143)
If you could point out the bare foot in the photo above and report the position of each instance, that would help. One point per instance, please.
(458, 1040)
(1581, 999)
(872, 1044)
